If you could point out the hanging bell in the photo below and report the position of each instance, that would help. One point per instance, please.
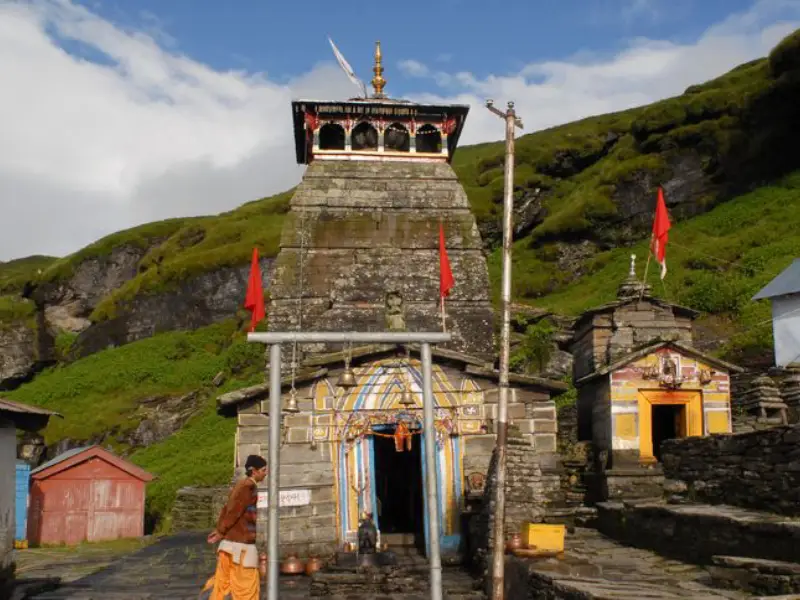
(347, 379)
(291, 404)
(406, 399)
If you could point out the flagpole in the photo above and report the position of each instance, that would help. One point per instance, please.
(646, 267)
(498, 530)
(444, 317)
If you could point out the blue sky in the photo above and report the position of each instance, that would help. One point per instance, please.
(120, 112)
(287, 38)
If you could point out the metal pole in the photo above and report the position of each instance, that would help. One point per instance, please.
(274, 339)
(274, 468)
(341, 337)
(498, 535)
(432, 475)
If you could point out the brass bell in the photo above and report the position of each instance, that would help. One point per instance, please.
(406, 399)
(291, 404)
(347, 378)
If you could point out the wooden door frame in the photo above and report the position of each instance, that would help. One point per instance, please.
(691, 416)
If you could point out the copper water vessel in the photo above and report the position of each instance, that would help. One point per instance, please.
(292, 565)
(313, 565)
(514, 542)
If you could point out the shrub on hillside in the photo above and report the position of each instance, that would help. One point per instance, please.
(785, 56)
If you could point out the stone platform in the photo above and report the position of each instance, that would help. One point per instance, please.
(758, 576)
(595, 567)
(698, 532)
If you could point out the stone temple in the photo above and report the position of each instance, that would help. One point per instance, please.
(359, 252)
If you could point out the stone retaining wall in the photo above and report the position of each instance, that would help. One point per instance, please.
(529, 492)
(697, 533)
(198, 508)
(759, 470)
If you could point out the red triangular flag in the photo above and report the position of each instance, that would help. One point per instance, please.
(446, 280)
(254, 301)
(661, 226)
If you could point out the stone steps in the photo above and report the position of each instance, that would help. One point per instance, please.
(698, 532)
(595, 567)
(769, 577)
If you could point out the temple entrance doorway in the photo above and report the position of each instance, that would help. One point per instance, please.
(665, 414)
(667, 424)
(398, 479)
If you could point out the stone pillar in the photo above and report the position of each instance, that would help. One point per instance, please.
(791, 393)
(316, 140)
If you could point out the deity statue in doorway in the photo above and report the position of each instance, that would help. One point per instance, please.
(395, 318)
(669, 372)
(367, 535)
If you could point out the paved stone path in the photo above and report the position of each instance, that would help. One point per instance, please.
(597, 568)
(174, 567)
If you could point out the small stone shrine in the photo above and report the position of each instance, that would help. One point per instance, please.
(360, 252)
(640, 381)
(790, 392)
(762, 404)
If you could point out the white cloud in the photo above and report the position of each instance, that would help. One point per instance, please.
(91, 147)
(555, 92)
(144, 133)
(633, 9)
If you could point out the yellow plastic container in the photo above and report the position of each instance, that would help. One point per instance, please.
(545, 538)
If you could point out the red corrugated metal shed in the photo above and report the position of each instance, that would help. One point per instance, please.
(86, 494)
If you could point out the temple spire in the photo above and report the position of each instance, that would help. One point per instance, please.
(378, 81)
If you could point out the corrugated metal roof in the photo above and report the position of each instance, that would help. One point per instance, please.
(60, 458)
(788, 282)
(16, 407)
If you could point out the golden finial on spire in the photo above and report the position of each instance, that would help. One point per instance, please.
(378, 81)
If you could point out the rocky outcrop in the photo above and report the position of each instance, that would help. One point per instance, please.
(18, 353)
(208, 298)
(68, 303)
(157, 418)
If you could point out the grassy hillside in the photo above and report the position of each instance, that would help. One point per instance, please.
(14, 275)
(99, 396)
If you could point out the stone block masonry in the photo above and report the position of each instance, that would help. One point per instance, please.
(528, 492)
(358, 231)
(758, 470)
(198, 508)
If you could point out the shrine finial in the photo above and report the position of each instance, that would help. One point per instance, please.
(378, 81)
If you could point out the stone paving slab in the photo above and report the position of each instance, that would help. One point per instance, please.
(595, 567)
(174, 567)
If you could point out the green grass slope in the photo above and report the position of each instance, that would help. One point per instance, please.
(716, 263)
(99, 395)
(14, 275)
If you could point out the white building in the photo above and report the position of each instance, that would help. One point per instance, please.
(784, 294)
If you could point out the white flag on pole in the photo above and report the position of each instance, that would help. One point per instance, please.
(348, 69)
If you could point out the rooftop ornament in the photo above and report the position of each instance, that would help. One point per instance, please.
(378, 82)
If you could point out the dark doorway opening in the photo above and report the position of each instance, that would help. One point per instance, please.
(399, 486)
(666, 420)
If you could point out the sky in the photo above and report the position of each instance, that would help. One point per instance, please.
(117, 113)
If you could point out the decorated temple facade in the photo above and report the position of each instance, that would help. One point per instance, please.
(641, 381)
(360, 252)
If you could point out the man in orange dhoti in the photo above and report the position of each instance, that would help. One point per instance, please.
(237, 576)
